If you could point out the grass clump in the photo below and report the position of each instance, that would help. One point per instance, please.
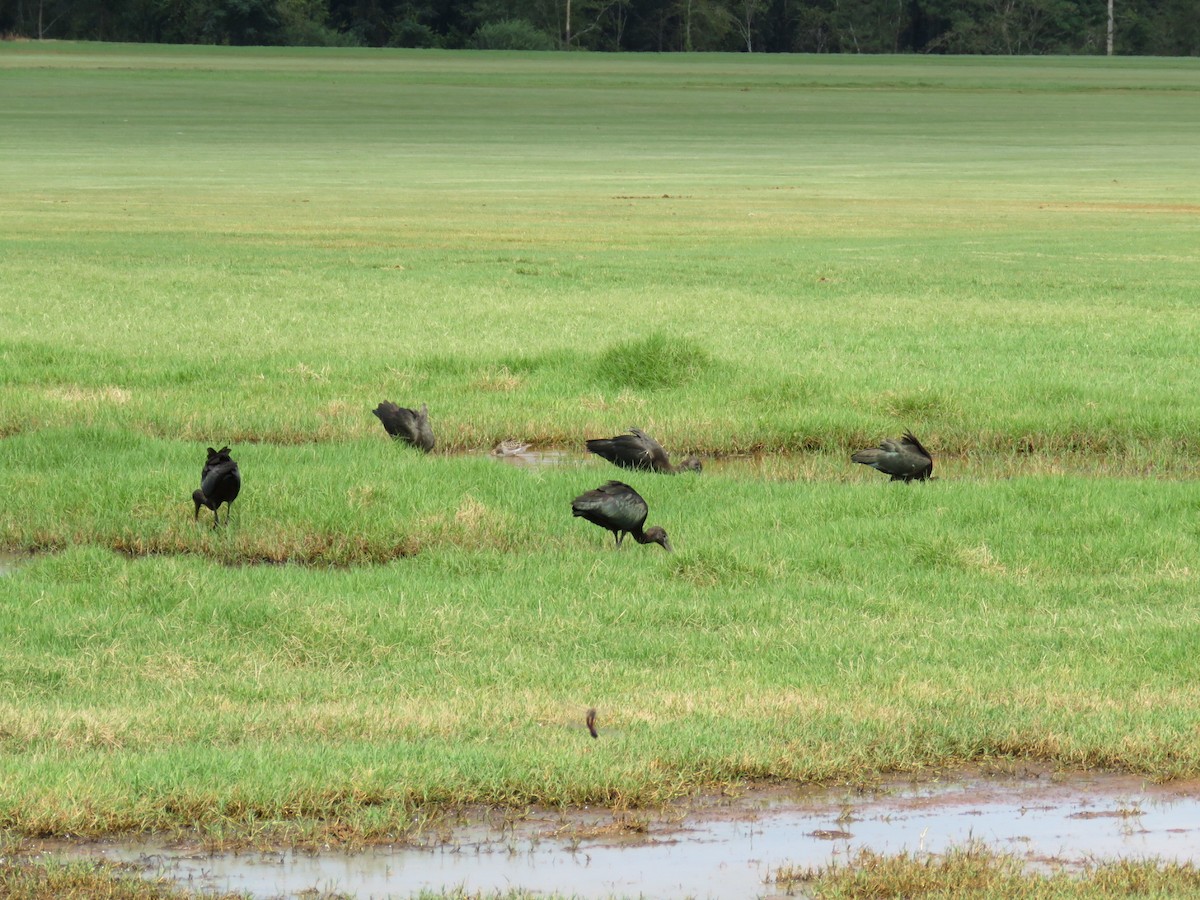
(974, 871)
(53, 879)
(708, 568)
(654, 362)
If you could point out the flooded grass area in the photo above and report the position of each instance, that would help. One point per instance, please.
(720, 847)
(10, 561)
(822, 466)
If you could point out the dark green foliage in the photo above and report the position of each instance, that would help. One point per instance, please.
(305, 23)
(1143, 27)
(410, 32)
(512, 34)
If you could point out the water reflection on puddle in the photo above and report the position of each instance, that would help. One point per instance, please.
(730, 849)
(9, 562)
(536, 459)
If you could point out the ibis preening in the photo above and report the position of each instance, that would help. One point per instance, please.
(408, 425)
(637, 450)
(904, 460)
(220, 482)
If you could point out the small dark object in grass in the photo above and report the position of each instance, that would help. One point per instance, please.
(619, 508)
(591, 723)
(220, 482)
(905, 459)
(637, 450)
(408, 425)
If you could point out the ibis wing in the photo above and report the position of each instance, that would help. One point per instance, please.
(635, 450)
(222, 482)
(614, 505)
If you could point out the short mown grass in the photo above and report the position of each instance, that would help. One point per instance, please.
(258, 245)
(783, 259)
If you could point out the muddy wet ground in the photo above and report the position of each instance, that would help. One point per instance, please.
(724, 847)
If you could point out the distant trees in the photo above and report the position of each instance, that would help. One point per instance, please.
(167, 21)
(1151, 27)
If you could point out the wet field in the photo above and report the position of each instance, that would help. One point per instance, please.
(820, 466)
(731, 845)
(720, 847)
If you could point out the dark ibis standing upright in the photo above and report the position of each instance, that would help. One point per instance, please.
(220, 482)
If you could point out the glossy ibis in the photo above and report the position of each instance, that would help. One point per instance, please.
(904, 459)
(408, 425)
(619, 508)
(637, 450)
(220, 482)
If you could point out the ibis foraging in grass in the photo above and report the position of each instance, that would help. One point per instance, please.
(619, 508)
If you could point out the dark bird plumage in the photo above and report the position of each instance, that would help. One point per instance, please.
(637, 450)
(904, 460)
(409, 425)
(591, 723)
(220, 482)
(619, 508)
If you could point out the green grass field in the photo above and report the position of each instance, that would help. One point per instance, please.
(790, 257)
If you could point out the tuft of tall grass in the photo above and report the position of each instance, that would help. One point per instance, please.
(654, 362)
(976, 871)
(23, 878)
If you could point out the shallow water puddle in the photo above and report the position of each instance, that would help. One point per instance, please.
(729, 848)
(536, 459)
(9, 562)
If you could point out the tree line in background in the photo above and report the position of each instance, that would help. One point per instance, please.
(1143, 27)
